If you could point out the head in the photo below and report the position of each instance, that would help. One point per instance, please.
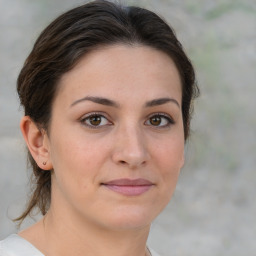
(72, 38)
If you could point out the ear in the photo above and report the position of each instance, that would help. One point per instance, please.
(37, 142)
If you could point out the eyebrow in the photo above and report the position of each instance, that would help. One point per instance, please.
(111, 103)
(161, 101)
(99, 100)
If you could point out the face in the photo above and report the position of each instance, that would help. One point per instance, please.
(116, 138)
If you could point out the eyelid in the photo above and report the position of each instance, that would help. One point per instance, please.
(104, 115)
(91, 114)
(161, 114)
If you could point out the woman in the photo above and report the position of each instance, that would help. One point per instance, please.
(107, 92)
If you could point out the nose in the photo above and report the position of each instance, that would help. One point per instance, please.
(130, 148)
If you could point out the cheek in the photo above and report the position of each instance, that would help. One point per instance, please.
(170, 159)
(74, 168)
(170, 154)
(77, 157)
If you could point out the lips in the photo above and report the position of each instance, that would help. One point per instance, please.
(129, 187)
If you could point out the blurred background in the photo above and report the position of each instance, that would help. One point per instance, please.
(213, 211)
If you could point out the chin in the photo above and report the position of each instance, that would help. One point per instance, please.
(131, 217)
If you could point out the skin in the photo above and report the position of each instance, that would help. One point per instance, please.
(127, 142)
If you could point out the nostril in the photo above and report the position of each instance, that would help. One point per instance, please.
(122, 162)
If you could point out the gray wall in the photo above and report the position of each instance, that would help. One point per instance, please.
(213, 210)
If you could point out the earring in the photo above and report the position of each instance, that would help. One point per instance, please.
(44, 163)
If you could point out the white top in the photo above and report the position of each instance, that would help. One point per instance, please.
(14, 245)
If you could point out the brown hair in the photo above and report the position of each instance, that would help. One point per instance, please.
(68, 38)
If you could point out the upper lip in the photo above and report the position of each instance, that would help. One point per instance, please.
(128, 182)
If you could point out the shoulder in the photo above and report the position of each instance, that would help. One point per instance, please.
(14, 245)
(153, 253)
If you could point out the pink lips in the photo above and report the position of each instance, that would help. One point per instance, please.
(129, 187)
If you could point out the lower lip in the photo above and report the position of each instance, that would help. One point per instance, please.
(129, 190)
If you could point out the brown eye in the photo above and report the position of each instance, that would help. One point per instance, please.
(95, 120)
(155, 120)
(160, 121)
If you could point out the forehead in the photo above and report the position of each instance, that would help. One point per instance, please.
(121, 68)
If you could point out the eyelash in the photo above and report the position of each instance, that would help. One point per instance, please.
(91, 115)
(169, 120)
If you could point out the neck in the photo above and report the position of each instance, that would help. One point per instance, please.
(67, 236)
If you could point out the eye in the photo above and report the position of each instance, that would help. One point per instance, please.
(95, 120)
(159, 120)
